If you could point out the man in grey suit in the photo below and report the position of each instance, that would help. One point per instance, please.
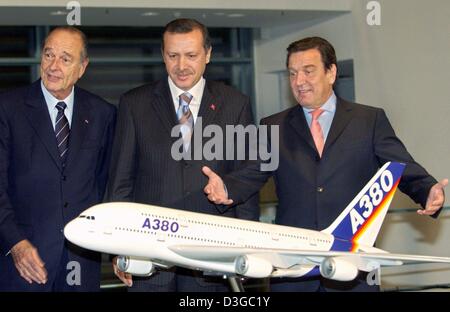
(329, 149)
(143, 168)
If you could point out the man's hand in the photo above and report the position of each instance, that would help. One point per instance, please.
(435, 200)
(28, 263)
(127, 278)
(215, 189)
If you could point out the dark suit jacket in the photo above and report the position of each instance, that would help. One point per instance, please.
(38, 195)
(313, 191)
(142, 168)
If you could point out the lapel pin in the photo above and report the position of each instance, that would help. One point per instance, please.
(86, 121)
(213, 107)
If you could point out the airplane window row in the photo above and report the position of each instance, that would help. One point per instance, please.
(189, 238)
(209, 240)
(292, 236)
(202, 239)
(302, 237)
(228, 227)
(156, 216)
(134, 230)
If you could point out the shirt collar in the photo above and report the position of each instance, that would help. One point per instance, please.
(52, 101)
(328, 106)
(196, 91)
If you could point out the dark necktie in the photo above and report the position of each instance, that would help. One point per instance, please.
(185, 119)
(62, 131)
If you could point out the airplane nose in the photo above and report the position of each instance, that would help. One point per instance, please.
(70, 231)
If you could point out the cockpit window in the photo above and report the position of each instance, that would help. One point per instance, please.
(87, 217)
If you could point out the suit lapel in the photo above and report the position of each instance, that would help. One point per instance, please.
(165, 110)
(298, 121)
(210, 105)
(341, 118)
(163, 106)
(39, 118)
(81, 121)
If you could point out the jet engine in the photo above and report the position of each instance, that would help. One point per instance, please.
(338, 269)
(252, 266)
(137, 267)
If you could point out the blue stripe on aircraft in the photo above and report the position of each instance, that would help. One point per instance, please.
(341, 245)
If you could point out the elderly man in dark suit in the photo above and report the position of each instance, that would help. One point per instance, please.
(144, 166)
(55, 143)
(329, 149)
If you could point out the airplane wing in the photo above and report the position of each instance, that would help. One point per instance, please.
(285, 258)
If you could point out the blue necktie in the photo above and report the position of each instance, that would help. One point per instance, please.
(185, 119)
(62, 131)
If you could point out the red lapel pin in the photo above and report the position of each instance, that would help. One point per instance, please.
(212, 106)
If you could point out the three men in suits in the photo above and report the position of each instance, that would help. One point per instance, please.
(143, 168)
(329, 149)
(55, 146)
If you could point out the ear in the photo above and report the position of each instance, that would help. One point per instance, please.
(331, 74)
(208, 55)
(83, 66)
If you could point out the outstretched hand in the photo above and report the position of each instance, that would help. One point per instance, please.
(215, 189)
(435, 200)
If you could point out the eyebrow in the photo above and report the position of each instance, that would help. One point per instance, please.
(67, 54)
(309, 66)
(47, 49)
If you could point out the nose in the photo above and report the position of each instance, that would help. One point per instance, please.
(181, 63)
(54, 64)
(300, 78)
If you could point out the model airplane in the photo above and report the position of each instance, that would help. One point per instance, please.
(147, 237)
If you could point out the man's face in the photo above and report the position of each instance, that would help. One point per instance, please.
(311, 83)
(185, 58)
(61, 64)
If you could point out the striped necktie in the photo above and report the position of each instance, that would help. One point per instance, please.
(185, 119)
(62, 131)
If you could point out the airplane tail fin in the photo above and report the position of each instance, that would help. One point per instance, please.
(361, 220)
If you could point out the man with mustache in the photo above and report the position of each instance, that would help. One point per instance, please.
(55, 146)
(143, 168)
(329, 149)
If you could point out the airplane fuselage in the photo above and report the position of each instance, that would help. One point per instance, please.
(149, 232)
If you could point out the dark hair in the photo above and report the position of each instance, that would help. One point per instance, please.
(323, 46)
(186, 25)
(73, 30)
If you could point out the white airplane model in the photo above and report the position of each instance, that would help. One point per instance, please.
(148, 236)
